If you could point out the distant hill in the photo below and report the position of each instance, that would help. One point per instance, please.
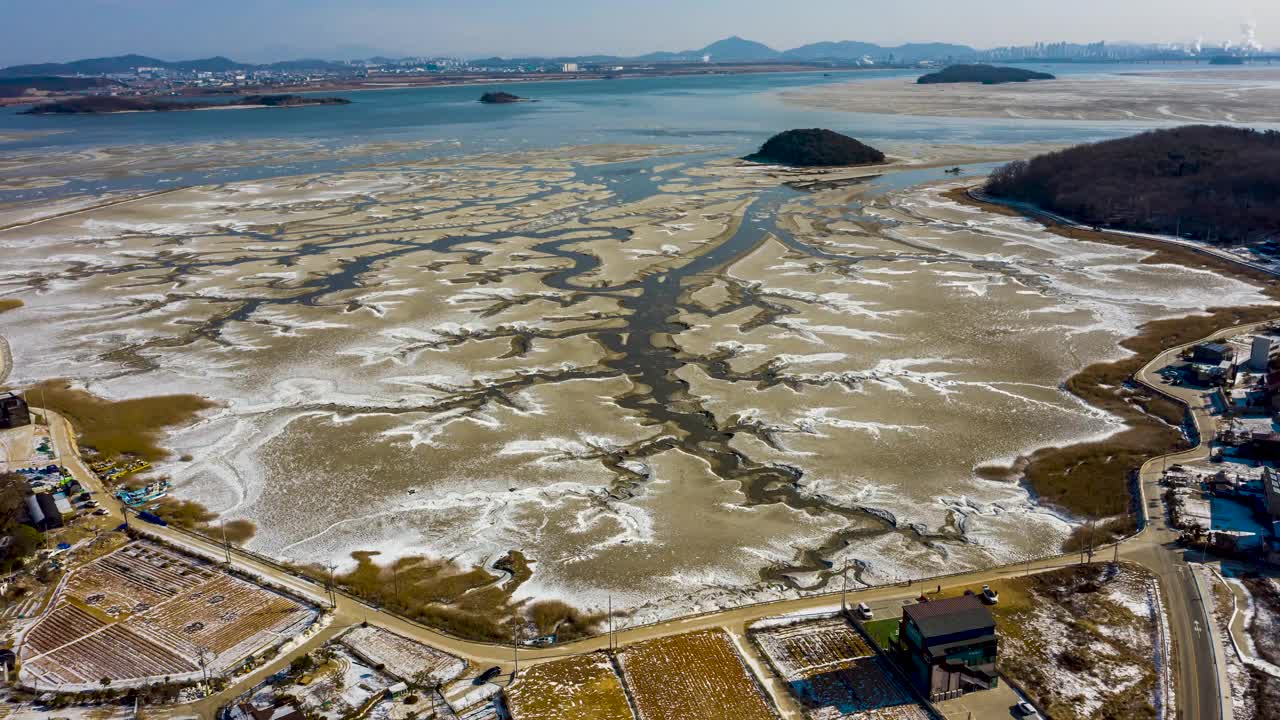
(985, 74)
(123, 64)
(731, 49)
(18, 86)
(129, 63)
(738, 49)
(1218, 184)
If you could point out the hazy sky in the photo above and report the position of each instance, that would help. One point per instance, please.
(48, 30)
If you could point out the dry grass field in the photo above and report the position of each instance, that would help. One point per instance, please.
(125, 427)
(146, 612)
(694, 676)
(583, 687)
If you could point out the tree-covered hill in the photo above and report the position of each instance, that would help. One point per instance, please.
(1215, 183)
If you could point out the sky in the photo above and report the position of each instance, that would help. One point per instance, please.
(261, 30)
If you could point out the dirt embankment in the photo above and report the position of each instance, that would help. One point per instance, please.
(1092, 479)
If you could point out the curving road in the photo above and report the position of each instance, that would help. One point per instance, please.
(1201, 692)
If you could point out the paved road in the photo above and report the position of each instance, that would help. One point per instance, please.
(1204, 689)
(1194, 636)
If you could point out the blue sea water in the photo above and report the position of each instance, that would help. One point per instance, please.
(736, 113)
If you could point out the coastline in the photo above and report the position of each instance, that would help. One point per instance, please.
(476, 81)
(198, 108)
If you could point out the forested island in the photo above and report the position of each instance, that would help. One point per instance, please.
(1218, 184)
(985, 74)
(815, 148)
(98, 105)
(500, 98)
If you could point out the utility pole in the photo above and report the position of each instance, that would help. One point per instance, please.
(333, 598)
(226, 546)
(611, 622)
(844, 587)
(515, 648)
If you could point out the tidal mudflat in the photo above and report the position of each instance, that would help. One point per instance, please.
(657, 373)
(1213, 97)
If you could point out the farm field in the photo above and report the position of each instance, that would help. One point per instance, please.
(692, 677)
(144, 612)
(835, 674)
(400, 656)
(583, 687)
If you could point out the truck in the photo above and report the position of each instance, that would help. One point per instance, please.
(152, 518)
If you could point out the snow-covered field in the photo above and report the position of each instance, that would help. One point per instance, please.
(1086, 642)
(401, 657)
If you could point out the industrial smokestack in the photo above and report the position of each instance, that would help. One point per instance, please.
(1249, 37)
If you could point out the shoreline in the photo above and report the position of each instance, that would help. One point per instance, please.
(179, 109)
(469, 82)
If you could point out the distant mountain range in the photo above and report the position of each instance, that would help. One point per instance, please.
(733, 49)
(129, 63)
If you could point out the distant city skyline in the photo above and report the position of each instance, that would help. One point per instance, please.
(265, 30)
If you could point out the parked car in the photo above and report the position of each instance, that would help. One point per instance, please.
(864, 611)
(1026, 710)
(989, 596)
(487, 675)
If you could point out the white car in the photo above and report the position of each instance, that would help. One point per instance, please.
(1026, 710)
(864, 611)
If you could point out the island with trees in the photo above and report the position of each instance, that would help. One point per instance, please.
(985, 74)
(500, 98)
(815, 148)
(105, 104)
(1217, 184)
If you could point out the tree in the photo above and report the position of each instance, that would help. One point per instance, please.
(106, 682)
(425, 682)
(13, 500)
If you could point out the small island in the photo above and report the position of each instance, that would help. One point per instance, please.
(500, 98)
(985, 74)
(1216, 184)
(106, 104)
(815, 148)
